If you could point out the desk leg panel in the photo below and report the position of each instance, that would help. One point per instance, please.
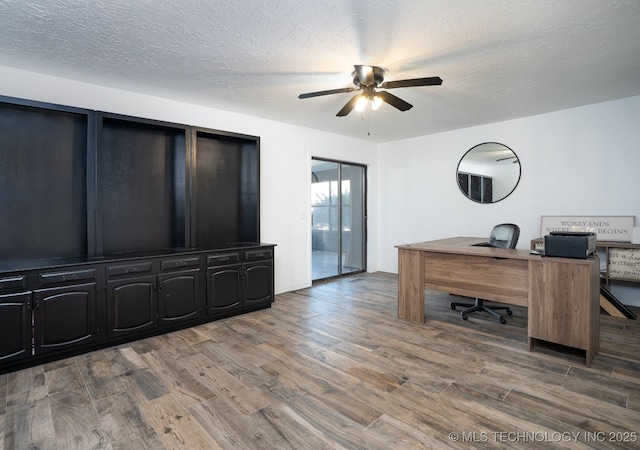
(411, 285)
(564, 304)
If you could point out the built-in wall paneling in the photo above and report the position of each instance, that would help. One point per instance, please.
(225, 215)
(43, 182)
(142, 186)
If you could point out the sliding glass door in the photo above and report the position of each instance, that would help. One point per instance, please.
(338, 225)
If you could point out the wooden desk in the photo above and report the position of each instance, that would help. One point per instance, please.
(562, 294)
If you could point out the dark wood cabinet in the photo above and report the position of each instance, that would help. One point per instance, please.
(64, 316)
(45, 319)
(116, 228)
(258, 283)
(131, 304)
(258, 276)
(246, 283)
(140, 303)
(51, 312)
(179, 296)
(15, 326)
(224, 289)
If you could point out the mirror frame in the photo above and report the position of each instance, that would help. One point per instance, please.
(496, 153)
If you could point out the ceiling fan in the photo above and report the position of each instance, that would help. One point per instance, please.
(368, 79)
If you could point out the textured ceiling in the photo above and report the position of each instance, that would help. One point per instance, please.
(499, 59)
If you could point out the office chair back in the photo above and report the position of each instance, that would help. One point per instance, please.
(504, 235)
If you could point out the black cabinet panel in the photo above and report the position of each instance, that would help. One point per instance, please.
(64, 316)
(223, 259)
(263, 253)
(178, 296)
(13, 284)
(48, 278)
(258, 283)
(224, 289)
(224, 214)
(15, 326)
(130, 268)
(43, 183)
(131, 305)
(179, 263)
(142, 181)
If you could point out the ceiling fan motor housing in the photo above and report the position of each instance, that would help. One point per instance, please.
(371, 81)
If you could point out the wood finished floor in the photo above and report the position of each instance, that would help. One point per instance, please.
(333, 367)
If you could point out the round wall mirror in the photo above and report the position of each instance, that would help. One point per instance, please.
(488, 172)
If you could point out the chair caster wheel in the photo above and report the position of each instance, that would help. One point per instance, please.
(452, 306)
(509, 312)
(502, 320)
(464, 317)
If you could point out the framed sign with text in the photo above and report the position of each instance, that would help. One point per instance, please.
(607, 228)
(624, 263)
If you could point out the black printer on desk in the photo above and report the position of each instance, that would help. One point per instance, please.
(570, 244)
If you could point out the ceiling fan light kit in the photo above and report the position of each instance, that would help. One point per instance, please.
(368, 79)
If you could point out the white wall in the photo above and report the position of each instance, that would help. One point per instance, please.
(581, 161)
(285, 172)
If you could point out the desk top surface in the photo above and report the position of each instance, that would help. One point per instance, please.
(466, 246)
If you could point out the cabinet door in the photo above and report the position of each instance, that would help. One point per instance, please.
(178, 296)
(131, 304)
(64, 317)
(224, 289)
(258, 283)
(15, 326)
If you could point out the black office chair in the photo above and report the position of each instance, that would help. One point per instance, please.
(504, 235)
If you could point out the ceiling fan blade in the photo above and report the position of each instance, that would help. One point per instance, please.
(346, 109)
(329, 92)
(394, 101)
(365, 75)
(429, 81)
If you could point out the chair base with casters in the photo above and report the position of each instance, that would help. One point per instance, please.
(480, 306)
